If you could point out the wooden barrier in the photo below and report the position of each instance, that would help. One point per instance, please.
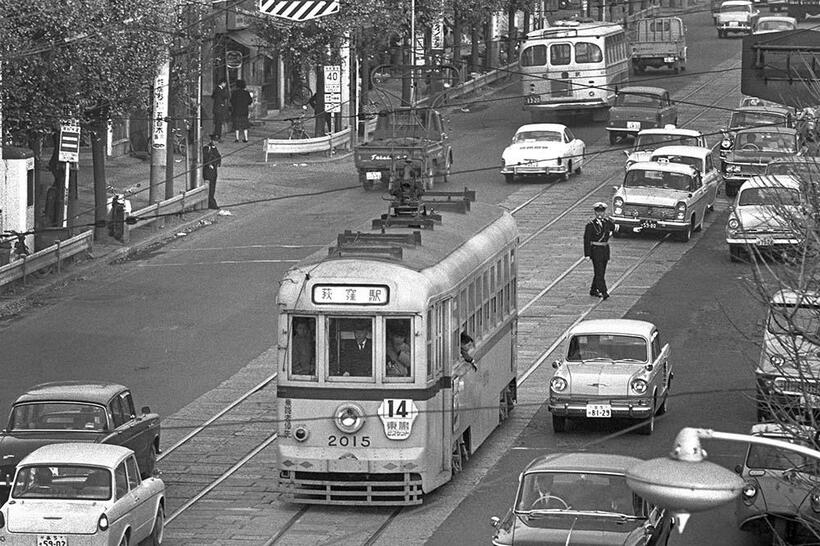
(53, 255)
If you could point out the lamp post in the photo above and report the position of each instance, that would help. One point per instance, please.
(684, 482)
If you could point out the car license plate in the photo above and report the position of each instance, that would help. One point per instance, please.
(633, 125)
(373, 175)
(649, 224)
(533, 99)
(669, 59)
(765, 241)
(732, 23)
(599, 410)
(52, 540)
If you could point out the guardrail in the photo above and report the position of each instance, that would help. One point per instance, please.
(53, 255)
(187, 200)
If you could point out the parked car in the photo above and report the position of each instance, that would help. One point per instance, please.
(665, 197)
(774, 23)
(767, 214)
(82, 494)
(580, 498)
(781, 496)
(805, 168)
(747, 117)
(699, 159)
(638, 107)
(736, 16)
(76, 411)
(650, 139)
(541, 149)
(752, 151)
(788, 370)
(612, 368)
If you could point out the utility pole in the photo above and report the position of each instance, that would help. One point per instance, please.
(159, 128)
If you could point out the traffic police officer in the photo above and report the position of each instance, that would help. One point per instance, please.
(596, 247)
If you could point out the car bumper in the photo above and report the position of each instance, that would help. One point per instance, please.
(636, 408)
(659, 225)
(763, 241)
(632, 130)
(551, 169)
(735, 28)
(593, 104)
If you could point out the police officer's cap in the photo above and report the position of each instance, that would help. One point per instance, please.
(600, 205)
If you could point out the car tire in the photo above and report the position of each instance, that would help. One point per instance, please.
(509, 178)
(366, 184)
(151, 463)
(649, 426)
(721, 34)
(578, 168)
(158, 532)
(686, 234)
(613, 137)
(124, 540)
(735, 253)
(559, 423)
(731, 191)
(664, 408)
(565, 176)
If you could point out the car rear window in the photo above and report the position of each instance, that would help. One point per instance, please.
(58, 416)
(62, 482)
(637, 99)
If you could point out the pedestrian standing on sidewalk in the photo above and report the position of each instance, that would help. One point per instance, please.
(241, 101)
(596, 247)
(211, 161)
(326, 117)
(220, 108)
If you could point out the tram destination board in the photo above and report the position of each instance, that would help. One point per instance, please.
(783, 67)
(351, 294)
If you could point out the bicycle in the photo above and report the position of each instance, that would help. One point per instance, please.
(297, 128)
(180, 141)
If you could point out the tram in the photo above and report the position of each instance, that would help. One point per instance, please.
(573, 66)
(396, 353)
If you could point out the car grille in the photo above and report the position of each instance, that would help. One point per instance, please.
(796, 386)
(646, 211)
(749, 169)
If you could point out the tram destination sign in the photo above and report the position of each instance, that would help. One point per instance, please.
(351, 294)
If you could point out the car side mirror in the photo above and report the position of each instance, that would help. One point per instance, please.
(556, 364)
(626, 153)
(495, 521)
(650, 367)
(738, 469)
(146, 409)
(615, 188)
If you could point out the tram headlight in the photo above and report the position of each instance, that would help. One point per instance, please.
(558, 384)
(301, 433)
(349, 417)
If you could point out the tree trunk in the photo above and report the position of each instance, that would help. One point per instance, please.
(474, 52)
(512, 34)
(405, 74)
(98, 131)
(526, 22)
(319, 110)
(35, 142)
(458, 30)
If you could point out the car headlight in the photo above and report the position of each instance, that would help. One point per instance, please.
(749, 492)
(558, 384)
(733, 223)
(680, 208)
(777, 360)
(814, 499)
(732, 168)
(103, 523)
(638, 386)
(618, 202)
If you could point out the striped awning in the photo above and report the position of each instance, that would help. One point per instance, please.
(299, 10)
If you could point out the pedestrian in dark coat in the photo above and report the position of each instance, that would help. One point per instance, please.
(211, 161)
(241, 101)
(221, 108)
(327, 117)
(596, 247)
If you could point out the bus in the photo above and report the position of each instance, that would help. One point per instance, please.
(573, 66)
(396, 354)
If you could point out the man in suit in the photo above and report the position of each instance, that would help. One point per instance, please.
(357, 354)
(596, 247)
(211, 161)
(221, 110)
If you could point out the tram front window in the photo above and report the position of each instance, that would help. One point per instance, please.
(397, 363)
(350, 342)
(303, 346)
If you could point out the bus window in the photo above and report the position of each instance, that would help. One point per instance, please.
(350, 344)
(560, 54)
(398, 351)
(534, 56)
(586, 52)
(303, 346)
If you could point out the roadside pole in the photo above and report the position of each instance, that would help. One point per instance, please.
(68, 152)
(159, 128)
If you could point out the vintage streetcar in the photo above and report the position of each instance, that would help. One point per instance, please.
(396, 352)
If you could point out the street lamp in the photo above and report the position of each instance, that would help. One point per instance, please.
(684, 482)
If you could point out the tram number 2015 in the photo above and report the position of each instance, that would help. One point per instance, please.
(348, 441)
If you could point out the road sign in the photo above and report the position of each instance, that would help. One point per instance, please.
(69, 149)
(333, 88)
(299, 10)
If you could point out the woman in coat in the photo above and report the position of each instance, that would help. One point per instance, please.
(240, 102)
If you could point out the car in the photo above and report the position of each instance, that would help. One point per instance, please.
(640, 107)
(699, 159)
(664, 197)
(79, 493)
(781, 495)
(541, 149)
(774, 23)
(77, 411)
(648, 140)
(746, 117)
(776, 6)
(736, 16)
(612, 368)
(753, 149)
(768, 214)
(580, 498)
(804, 168)
(757, 101)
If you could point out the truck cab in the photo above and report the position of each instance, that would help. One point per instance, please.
(659, 42)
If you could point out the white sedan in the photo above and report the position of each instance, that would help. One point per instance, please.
(542, 149)
(81, 493)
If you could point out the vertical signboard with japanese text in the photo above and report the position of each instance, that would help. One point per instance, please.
(333, 88)
(159, 128)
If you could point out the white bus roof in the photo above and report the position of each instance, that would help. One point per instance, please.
(572, 29)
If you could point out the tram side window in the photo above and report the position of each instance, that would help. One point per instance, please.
(560, 54)
(534, 56)
(303, 346)
(398, 351)
(350, 346)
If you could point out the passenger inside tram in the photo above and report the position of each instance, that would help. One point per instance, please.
(303, 346)
(398, 350)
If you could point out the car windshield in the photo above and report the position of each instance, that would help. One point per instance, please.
(766, 142)
(637, 99)
(773, 196)
(652, 141)
(803, 320)
(735, 8)
(607, 346)
(57, 416)
(575, 491)
(807, 171)
(694, 162)
(775, 25)
(543, 136)
(657, 179)
(756, 119)
(773, 458)
(62, 482)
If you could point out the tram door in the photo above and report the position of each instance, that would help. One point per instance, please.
(449, 326)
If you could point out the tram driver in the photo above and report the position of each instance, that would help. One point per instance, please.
(356, 351)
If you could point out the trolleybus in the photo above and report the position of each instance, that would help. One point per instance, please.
(573, 66)
(396, 354)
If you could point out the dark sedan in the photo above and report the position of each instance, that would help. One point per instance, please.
(580, 499)
(753, 149)
(74, 411)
